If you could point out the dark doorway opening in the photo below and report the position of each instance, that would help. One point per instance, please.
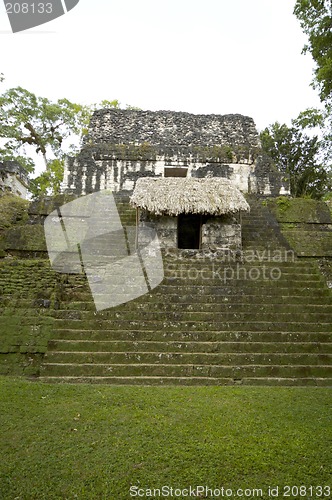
(175, 171)
(189, 231)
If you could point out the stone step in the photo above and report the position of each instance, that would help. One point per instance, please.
(194, 381)
(264, 259)
(183, 370)
(240, 277)
(242, 274)
(198, 258)
(239, 346)
(207, 305)
(242, 270)
(185, 358)
(229, 286)
(246, 335)
(170, 324)
(261, 246)
(267, 241)
(208, 322)
(188, 303)
(253, 296)
(252, 232)
(256, 216)
(261, 223)
(211, 307)
(217, 317)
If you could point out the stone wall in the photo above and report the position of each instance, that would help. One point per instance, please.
(306, 225)
(123, 145)
(13, 179)
(217, 233)
(221, 233)
(29, 287)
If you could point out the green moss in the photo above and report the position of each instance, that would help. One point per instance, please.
(309, 243)
(24, 335)
(328, 202)
(13, 210)
(46, 205)
(215, 153)
(25, 238)
(283, 203)
(26, 280)
(300, 210)
(144, 151)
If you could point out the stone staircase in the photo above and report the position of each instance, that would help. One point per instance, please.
(261, 234)
(263, 319)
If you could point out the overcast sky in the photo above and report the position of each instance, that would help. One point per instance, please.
(198, 56)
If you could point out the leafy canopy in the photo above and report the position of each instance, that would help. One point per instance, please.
(50, 128)
(26, 119)
(315, 17)
(296, 156)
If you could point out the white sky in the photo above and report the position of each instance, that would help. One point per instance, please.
(199, 56)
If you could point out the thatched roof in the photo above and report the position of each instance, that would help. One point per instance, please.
(175, 195)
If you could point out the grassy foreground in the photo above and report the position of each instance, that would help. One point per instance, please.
(95, 442)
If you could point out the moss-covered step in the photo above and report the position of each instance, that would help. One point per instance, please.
(189, 358)
(245, 335)
(183, 370)
(240, 346)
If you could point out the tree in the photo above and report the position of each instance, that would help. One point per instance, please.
(49, 181)
(319, 120)
(296, 155)
(26, 119)
(315, 17)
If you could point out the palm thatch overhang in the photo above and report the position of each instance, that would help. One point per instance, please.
(173, 196)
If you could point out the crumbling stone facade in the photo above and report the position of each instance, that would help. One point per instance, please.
(123, 145)
(13, 179)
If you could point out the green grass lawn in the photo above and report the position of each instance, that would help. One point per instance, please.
(95, 442)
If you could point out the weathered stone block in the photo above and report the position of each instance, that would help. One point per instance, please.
(124, 145)
(25, 238)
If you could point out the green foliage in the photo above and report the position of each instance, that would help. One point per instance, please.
(299, 210)
(36, 121)
(297, 156)
(12, 210)
(25, 162)
(321, 120)
(144, 151)
(283, 203)
(315, 17)
(215, 153)
(27, 120)
(105, 104)
(26, 238)
(49, 181)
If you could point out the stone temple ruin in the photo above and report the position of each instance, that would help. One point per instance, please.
(13, 179)
(124, 145)
(209, 160)
(244, 296)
